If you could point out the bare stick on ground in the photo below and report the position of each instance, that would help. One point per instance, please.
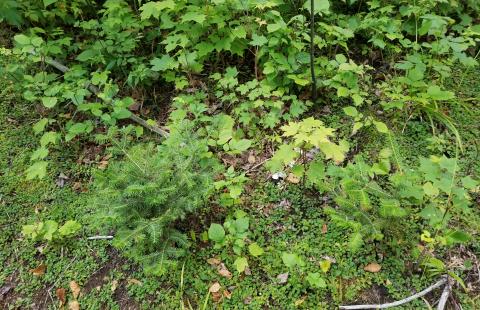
(445, 294)
(100, 238)
(441, 282)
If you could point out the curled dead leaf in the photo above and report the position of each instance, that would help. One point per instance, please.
(372, 267)
(60, 292)
(293, 178)
(223, 271)
(227, 294)
(324, 228)
(74, 305)
(214, 288)
(114, 285)
(217, 296)
(38, 271)
(75, 288)
(102, 165)
(213, 261)
(134, 281)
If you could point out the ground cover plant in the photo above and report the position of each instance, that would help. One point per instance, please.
(239, 154)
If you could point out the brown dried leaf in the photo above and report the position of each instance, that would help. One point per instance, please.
(213, 261)
(134, 281)
(293, 178)
(214, 288)
(61, 296)
(114, 285)
(74, 305)
(75, 288)
(227, 294)
(217, 296)
(372, 267)
(324, 228)
(223, 271)
(40, 270)
(102, 165)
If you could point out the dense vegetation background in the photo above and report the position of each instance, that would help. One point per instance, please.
(238, 154)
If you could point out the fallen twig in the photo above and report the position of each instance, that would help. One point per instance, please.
(61, 67)
(100, 238)
(441, 282)
(445, 294)
(256, 165)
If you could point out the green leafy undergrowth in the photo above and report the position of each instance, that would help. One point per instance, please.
(303, 262)
(25, 202)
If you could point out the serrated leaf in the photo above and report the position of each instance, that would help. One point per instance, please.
(69, 228)
(39, 153)
(241, 263)
(49, 137)
(37, 170)
(22, 39)
(381, 127)
(457, 236)
(432, 213)
(391, 208)
(164, 63)
(194, 16)
(436, 93)
(49, 228)
(49, 102)
(350, 111)
(40, 125)
(258, 40)
(291, 260)
(342, 91)
(235, 191)
(216, 233)
(48, 2)
(469, 183)
(316, 280)
(242, 224)
(240, 145)
(325, 265)
(430, 189)
(283, 156)
(86, 55)
(155, 8)
(320, 6)
(255, 250)
(337, 152)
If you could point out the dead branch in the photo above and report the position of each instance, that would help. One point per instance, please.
(445, 294)
(100, 238)
(61, 67)
(441, 282)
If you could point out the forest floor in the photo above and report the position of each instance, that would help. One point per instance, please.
(281, 216)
